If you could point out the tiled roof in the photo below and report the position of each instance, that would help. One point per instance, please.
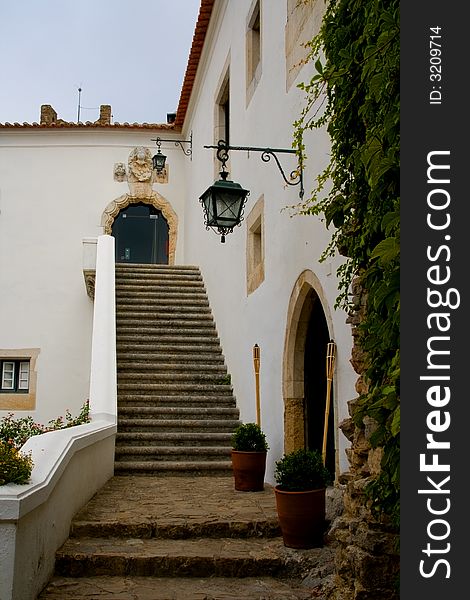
(199, 36)
(87, 125)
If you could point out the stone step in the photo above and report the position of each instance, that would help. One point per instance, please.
(162, 303)
(167, 311)
(175, 328)
(211, 527)
(165, 588)
(150, 376)
(175, 400)
(175, 279)
(174, 270)
(144, 438)
(173, 412)
(137, 400)
(195, 350)
(155, 267)
(165, 340)
(159, 276)
(156, 366)
(223, 557)
(169, 290)
(145, 330)
(178, 425)
(156, 318)
(159, 291)
(193, 353)
(174, 453)
(170, 468)
(168, 389)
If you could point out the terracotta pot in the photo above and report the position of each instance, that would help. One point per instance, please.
(301, 517)
(248, 470)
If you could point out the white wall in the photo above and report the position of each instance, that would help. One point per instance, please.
(292, 244)
(54, 187)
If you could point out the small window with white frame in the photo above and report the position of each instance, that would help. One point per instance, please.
(15, 375)
(18, 378)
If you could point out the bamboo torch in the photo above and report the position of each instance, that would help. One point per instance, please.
(330, 367)
(256, 363)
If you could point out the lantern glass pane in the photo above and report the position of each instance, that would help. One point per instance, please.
(209, 208)
(228, 208)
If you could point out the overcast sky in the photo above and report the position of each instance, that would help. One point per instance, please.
(126, 53)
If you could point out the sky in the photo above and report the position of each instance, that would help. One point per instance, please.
(126, 53)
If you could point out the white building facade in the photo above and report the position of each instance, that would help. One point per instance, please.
(63, 183)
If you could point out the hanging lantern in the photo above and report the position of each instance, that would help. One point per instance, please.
(158, 161)
(223, 205)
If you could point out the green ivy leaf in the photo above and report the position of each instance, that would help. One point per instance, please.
(395, 426)
(386, 251)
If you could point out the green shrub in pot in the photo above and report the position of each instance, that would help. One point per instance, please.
(301, 470)
(249, 449)
(248, 437)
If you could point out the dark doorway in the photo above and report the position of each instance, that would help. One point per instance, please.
(315, 384)
(141, 234)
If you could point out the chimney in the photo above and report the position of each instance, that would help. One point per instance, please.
(170, 118)
(105, 114)
(48, 115)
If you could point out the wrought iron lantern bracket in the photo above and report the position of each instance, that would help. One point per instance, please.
(186, 151)
(295, 177)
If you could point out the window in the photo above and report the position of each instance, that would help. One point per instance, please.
(18, 379)
(303, 23)
(15, 375)
(222, 114)
(253, 50)
(255, 247)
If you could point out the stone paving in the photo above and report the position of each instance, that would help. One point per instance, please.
(184, 538)
(139, 506)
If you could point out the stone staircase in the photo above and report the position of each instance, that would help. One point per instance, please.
(176, 408)
(184, 538)
(173, 535)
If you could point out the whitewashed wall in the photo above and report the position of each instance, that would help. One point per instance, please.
(54, 187)
(292, 244)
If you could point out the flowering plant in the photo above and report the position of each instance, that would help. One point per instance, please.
(16, 466)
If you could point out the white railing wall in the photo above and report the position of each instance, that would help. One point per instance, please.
(70, 465)
(103, 383)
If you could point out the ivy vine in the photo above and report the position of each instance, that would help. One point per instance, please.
(354, 93)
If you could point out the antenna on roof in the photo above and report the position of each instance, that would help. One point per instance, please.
(78, 115)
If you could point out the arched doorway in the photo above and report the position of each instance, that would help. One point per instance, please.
(315, 383)
(308, 332)
(153, 200)
(141, 234)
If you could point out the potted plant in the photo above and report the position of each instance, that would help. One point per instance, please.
(301, 479)
(249, 449)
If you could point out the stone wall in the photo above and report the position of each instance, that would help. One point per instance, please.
(367, 555)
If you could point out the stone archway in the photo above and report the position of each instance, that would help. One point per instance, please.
(306, 291)
(156, 200)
